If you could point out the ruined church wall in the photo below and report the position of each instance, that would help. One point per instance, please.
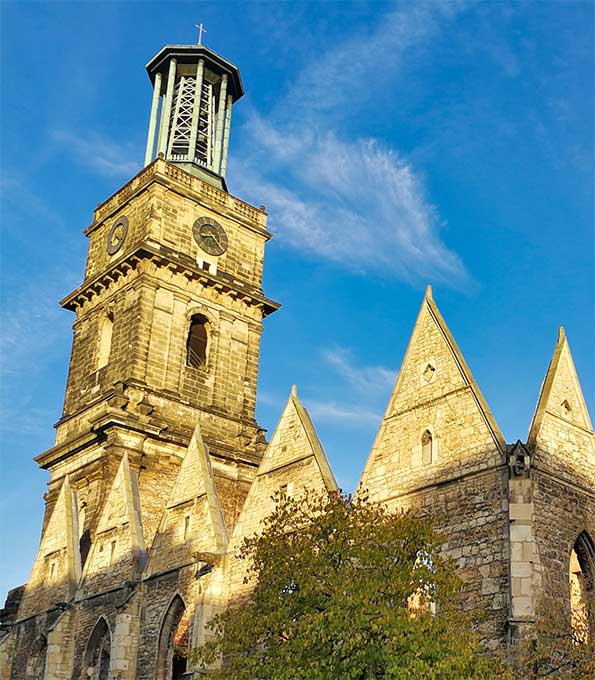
(562, 512)
(471, 515)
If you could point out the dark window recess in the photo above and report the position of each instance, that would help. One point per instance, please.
(85, 546)
(206, 266)
(196, 347)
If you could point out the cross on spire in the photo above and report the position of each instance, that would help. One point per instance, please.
(201, 30)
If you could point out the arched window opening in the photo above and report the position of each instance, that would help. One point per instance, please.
(97, 655)
(173, 642)
(36, 663)
(105, 340)
(196, 346)
(427, 448)
(582, 587)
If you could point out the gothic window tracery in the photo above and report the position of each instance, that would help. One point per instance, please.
(98, 653)
(196, 346)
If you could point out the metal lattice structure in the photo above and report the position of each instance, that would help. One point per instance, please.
(193, 93)
(180, 125)
(205, 140)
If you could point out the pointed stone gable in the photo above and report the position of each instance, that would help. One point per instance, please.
(57, 569)
(192, 522)
(561, 432)
(437, 422)
(118, 550)
(293, 463)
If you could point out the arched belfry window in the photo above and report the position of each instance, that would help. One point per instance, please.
(98, 653)
(173, 642)
(582, 587)
(427, 448)
(106, 328)
(196, 345)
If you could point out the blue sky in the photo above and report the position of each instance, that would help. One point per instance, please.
(394, 145)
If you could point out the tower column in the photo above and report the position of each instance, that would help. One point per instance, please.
(200, 69)
(226, 135)
(166, 108)
(153, 120)
(220, 119)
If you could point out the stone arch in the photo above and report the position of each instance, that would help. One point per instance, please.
(581, 575)
(37, 659)
(97, 657)
(173, 639)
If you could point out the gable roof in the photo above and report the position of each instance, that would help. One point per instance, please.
(561, 394)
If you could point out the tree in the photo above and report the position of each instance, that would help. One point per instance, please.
(561, 646)
(346, 589)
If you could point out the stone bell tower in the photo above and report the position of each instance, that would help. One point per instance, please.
(167, 330)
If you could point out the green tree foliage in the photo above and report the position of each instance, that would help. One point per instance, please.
(346, 589)
(561, 647)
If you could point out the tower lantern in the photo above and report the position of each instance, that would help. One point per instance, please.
(194, 90)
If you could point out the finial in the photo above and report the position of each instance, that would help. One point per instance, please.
(429, 292)
(294, 390)
(561, 333)
(201, 30)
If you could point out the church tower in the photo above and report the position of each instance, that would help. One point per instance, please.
(169, 314)
(165, 355)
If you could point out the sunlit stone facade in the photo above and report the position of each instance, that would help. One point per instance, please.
(159, 468)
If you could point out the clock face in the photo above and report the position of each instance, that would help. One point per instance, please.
(210, 236)
(117, 234)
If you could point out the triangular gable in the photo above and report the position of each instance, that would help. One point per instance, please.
(293, 462)
(561, 395)
(434, 389)
(561, 425)
(57, 568)
(295, 439)
(118, 550)
(192, 522)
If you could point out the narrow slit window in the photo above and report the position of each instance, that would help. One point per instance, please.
(196, 347)
(427, 444)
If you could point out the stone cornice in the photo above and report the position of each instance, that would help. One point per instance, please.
(174, 178)
(163, 256)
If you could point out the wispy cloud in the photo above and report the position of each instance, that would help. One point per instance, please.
(371, 381)
(346, 414)
(356, 202)
(100, 154)
(352, 73)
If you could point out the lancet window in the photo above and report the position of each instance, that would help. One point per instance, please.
(98, 653)
(173, 642)
(427, 448)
